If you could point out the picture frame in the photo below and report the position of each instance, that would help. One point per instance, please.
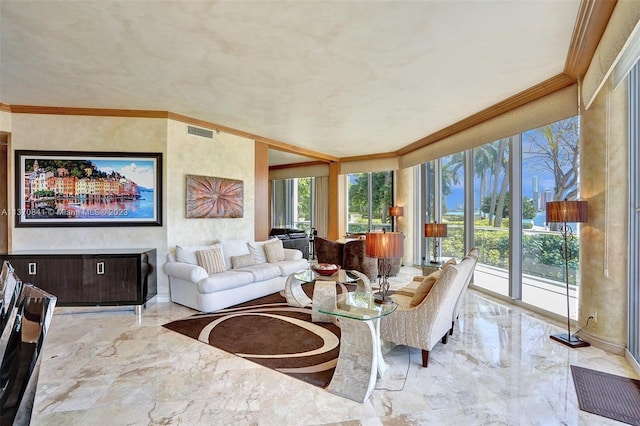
(90, 189)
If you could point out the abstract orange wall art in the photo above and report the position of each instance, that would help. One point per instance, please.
(209, 197)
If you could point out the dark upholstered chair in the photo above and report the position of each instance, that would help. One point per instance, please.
(328, 251)
(355, 257)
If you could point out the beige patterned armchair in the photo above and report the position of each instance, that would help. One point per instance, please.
(427, 323)
(472, 254)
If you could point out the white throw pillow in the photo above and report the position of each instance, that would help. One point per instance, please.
(187, 254)
(274, 251)
(233, 248)
(211, 260)
(257, 250)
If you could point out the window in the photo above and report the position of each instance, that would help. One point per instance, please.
(491, 218)
(452, 196)
(547, 171)
(369, 196)
(292, 203)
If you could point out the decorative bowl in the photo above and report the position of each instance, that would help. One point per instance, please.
(325, 269)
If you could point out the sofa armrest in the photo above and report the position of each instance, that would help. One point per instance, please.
(292, 254)
(185, 271)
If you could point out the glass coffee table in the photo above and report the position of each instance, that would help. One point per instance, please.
(360, 359)
(325, 287)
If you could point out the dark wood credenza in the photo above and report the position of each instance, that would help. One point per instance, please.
(111, 277)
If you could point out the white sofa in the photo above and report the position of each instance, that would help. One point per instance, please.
(192, 286)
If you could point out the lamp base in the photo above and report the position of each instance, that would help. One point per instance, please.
(571, 341)
(381, 299)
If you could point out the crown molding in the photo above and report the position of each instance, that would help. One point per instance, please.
(295, 165)
(592, 20)
(538, 91)
(369, 157)
(133, 113)
(97, 112)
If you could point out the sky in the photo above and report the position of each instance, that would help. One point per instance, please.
(139, 171)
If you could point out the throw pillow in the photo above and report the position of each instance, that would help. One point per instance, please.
(241, 261)
(211, 260)
(424, 288)
(233, 248)
(274, 251)
(257, 250)
(187, 254)
(449, 262)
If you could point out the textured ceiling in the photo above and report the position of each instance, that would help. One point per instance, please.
(342, 78)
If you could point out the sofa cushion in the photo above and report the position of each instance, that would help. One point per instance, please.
(288, 267)
(233, 248)
(211, 260)
(257, 250)
(241, 261)
(224, 281)
(261, 271)
(187, 254)
(274, 251)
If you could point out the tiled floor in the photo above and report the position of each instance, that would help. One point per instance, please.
(499, 367)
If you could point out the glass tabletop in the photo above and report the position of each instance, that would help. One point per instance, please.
(342, 276)
(356, 305)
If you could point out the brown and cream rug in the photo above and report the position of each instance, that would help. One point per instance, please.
(271, 333)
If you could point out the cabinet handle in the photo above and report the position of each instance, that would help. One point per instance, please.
(32, 268)
(100, 268)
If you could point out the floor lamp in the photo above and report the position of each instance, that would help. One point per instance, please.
(384, 245)
(436, 231)
(563, 212)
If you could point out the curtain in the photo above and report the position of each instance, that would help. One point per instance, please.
(321, 203)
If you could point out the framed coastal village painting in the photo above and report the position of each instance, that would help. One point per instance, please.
(214, 197)
(69, 188)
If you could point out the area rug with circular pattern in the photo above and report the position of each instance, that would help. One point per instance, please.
(271, 333)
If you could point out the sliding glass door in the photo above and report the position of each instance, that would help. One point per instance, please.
(550, 173)
(520, 254)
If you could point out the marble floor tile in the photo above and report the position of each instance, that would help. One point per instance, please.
(108, 366)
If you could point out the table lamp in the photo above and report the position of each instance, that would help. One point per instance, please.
(563, 212)
(435, 231)
(395, 212)
(384, 245)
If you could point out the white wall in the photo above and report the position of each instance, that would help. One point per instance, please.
(224, 156)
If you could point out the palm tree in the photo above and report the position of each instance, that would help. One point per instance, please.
(497, 169)
(483, 157)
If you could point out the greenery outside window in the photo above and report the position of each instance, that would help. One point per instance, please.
(292, 203)
(369, 196)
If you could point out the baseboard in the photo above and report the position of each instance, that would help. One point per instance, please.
(632, 361)
(162, 298)
(614, 348)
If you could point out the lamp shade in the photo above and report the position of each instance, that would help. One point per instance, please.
(385, 245)
(396, 211)
(435, 229)
(566, 211)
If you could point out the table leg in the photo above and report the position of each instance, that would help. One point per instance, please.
(355, 374)
(381, 364)
(322, 290)
(294, 293)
